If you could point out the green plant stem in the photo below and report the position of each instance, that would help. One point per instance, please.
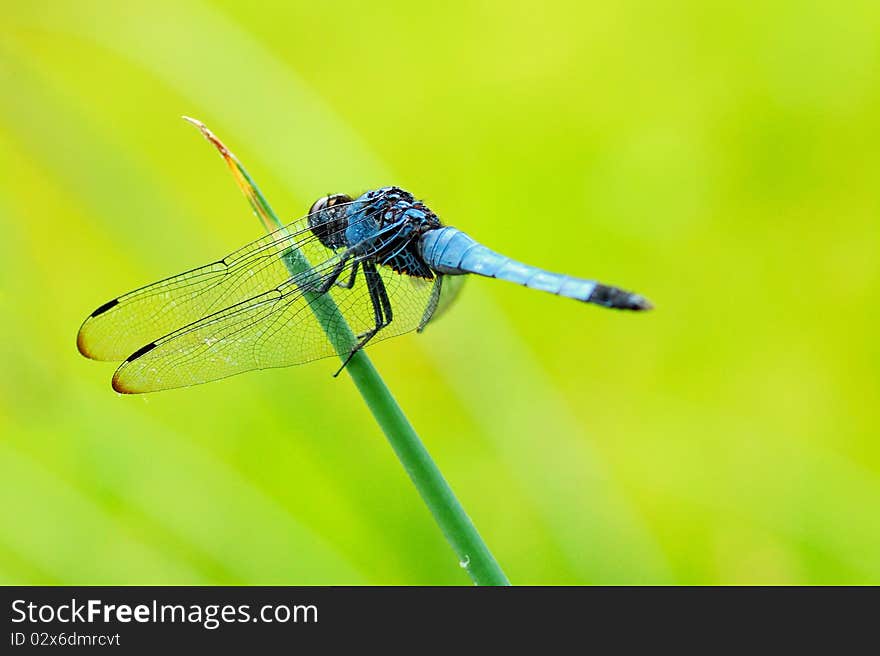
(473, 554)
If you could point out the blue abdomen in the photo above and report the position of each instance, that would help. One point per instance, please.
(450, 251)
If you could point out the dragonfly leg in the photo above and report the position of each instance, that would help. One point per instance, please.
(381, 309)
(381, 304)
(331, 279)
(383, 297)
(348, 284)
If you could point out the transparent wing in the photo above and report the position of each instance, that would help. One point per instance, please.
(451, 289)
(119, 327)
(278, 328)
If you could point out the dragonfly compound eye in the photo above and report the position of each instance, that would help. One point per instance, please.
(327, 220)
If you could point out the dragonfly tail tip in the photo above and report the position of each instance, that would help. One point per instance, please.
(619, 299)
(640, 303)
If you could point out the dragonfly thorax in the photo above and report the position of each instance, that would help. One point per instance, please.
(390, 222)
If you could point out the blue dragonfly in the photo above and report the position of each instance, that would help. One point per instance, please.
(349, 273)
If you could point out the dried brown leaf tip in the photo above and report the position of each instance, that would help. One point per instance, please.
(210, 136)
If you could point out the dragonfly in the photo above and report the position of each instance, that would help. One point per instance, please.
(351, 272)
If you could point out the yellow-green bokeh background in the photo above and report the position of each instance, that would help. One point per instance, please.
(723, 158)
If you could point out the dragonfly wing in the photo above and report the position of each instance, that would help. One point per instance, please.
(448, 293)
(278, 328)
(237, 339)
(119, 327)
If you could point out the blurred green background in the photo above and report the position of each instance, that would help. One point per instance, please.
(722, 158)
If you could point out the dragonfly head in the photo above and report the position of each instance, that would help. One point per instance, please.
(327, 220)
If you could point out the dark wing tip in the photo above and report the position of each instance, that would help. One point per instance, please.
(118, 383)
(102, 309)
(81, 344)
(143, 349)
(120, 387)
